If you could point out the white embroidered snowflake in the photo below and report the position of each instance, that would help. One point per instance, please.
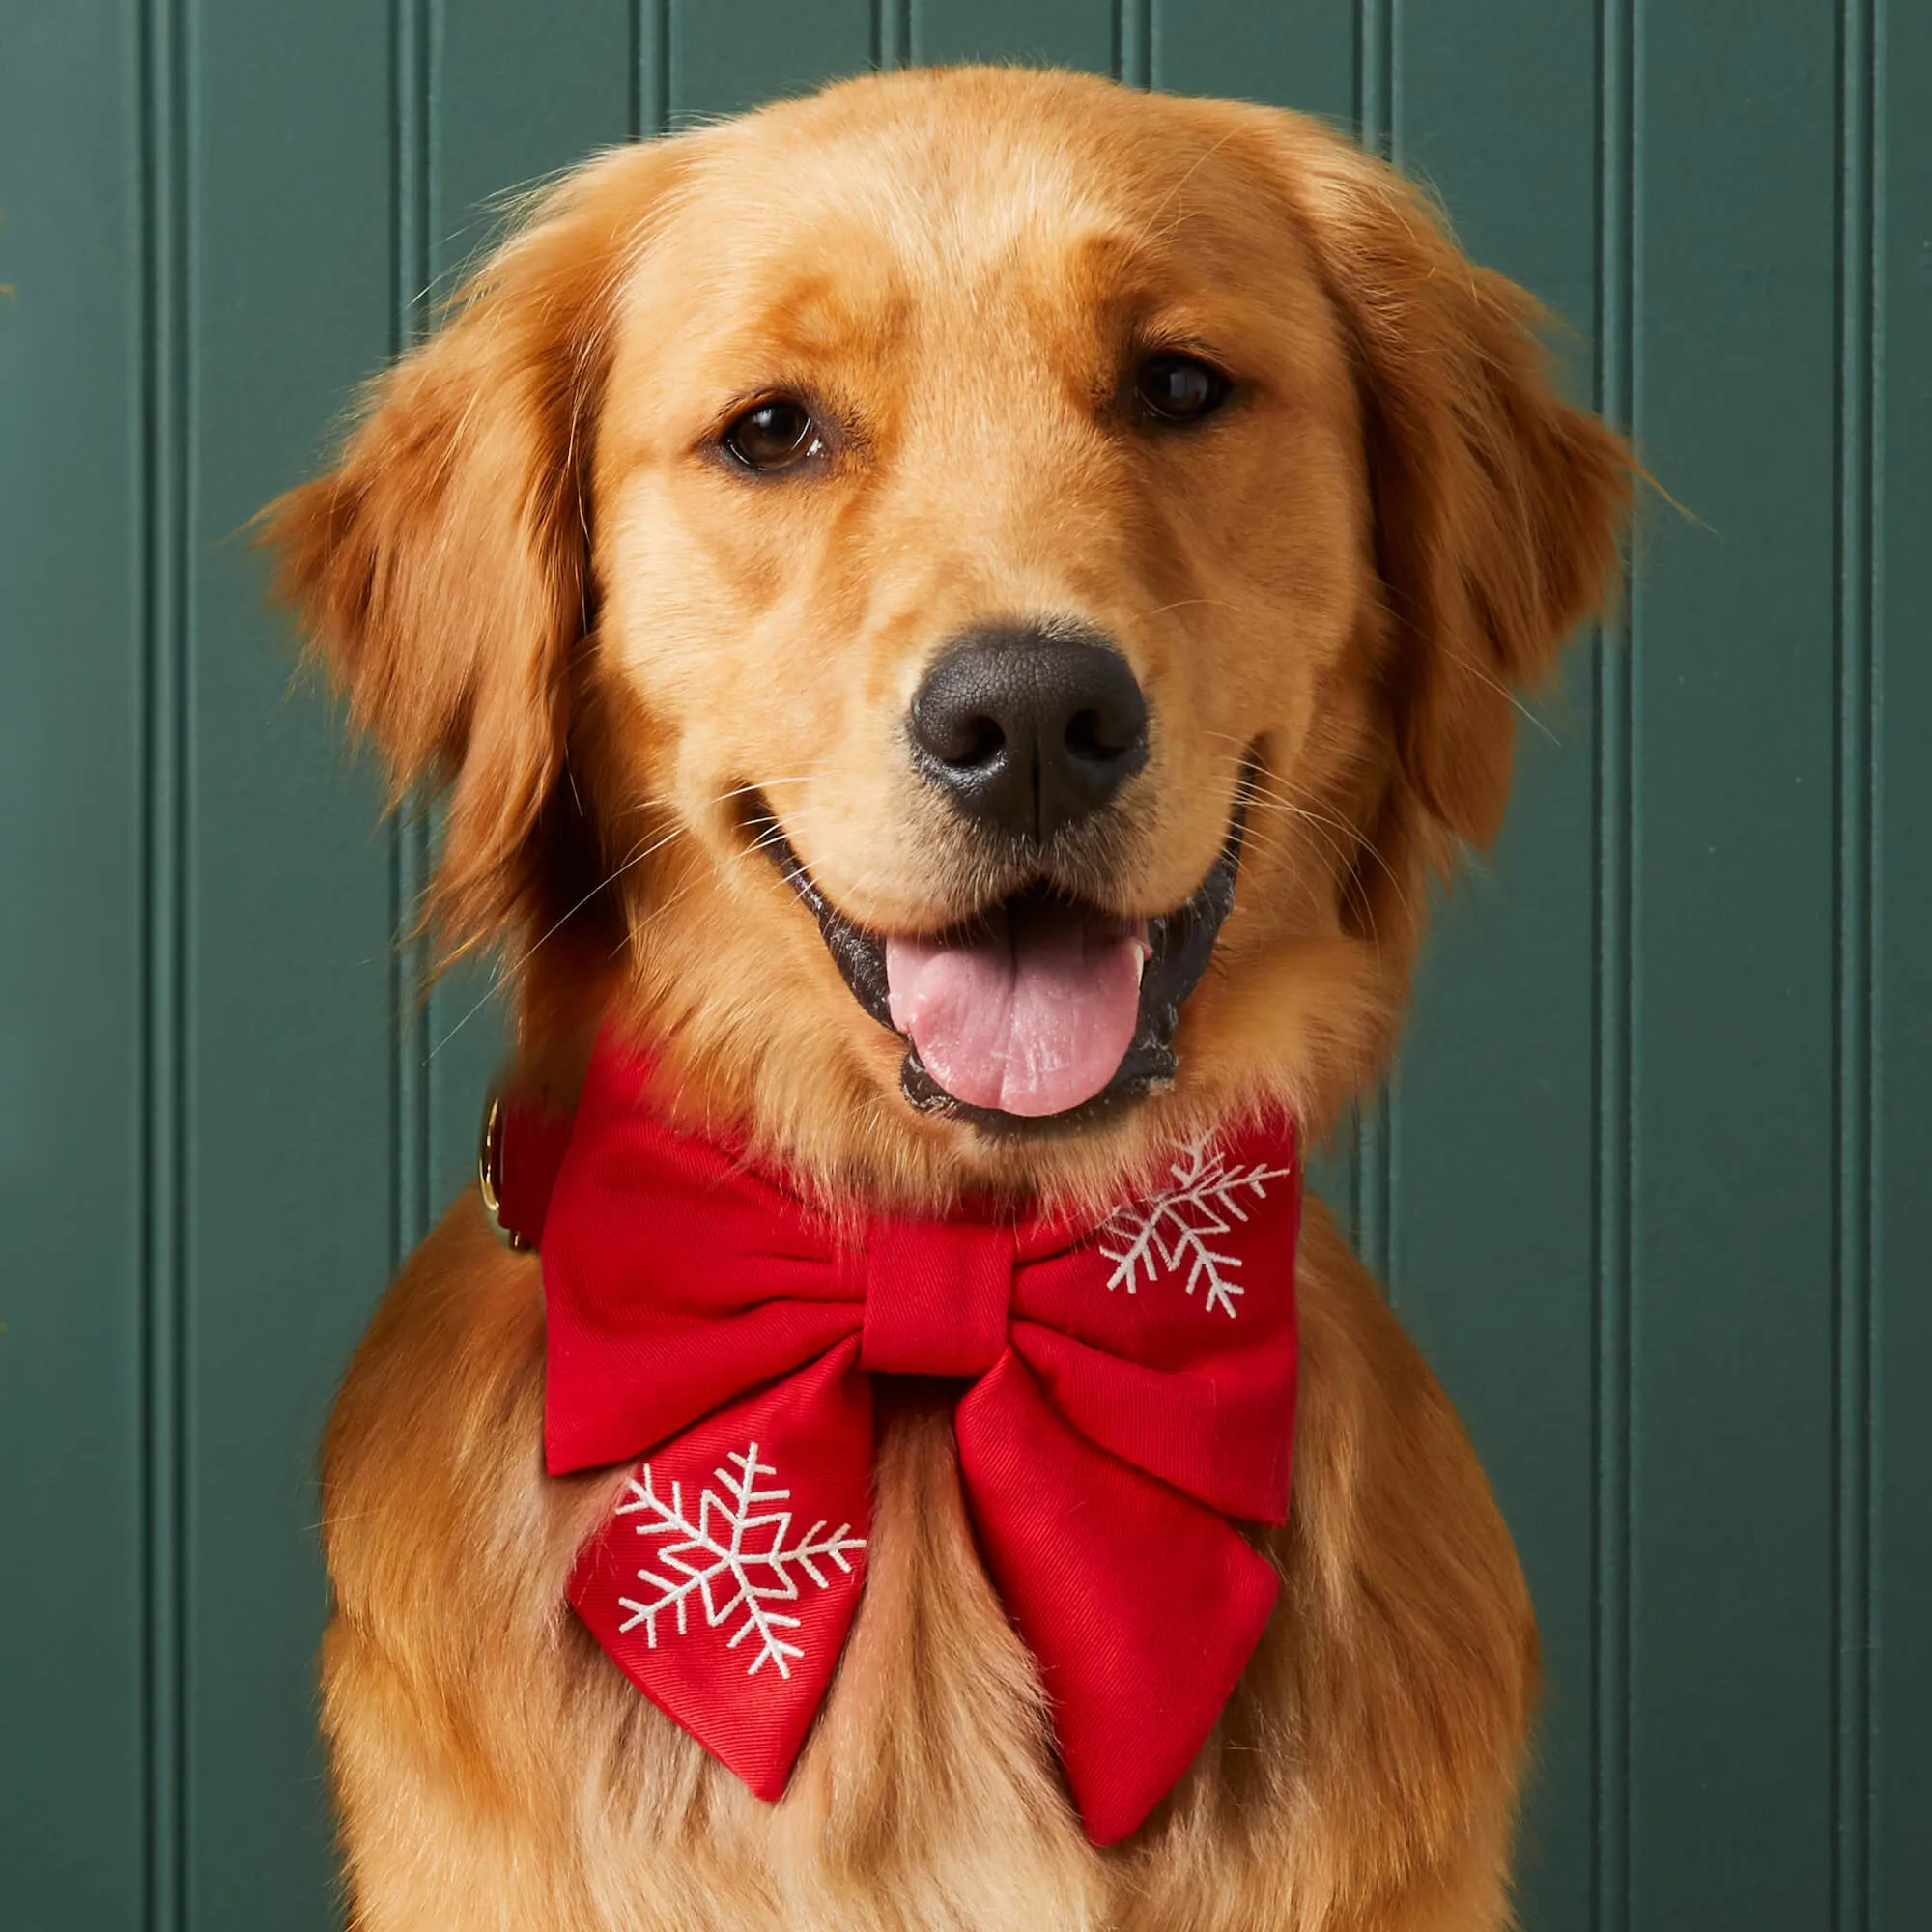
(1178, 1226)
(725, 1562)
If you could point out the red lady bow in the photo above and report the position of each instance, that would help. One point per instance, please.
(1130, 1387)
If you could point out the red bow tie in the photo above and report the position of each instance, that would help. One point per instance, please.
(1131, 1388)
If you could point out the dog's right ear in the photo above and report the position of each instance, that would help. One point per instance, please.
(1497, 505)
(442, 569)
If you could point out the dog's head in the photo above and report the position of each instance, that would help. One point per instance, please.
(965, 608)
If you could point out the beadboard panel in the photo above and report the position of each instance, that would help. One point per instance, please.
(1884, 1440)
(1646, 1185)
(79, 1601)
(1731, 1055)
(1488, 1199)
(1068, 33)
(282, 916)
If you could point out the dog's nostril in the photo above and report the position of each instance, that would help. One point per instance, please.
(1090, 736)
(978, 741)
(1029, 729)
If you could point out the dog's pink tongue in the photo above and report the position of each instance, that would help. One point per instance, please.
(1033, 1018)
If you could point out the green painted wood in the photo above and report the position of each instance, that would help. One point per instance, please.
(1648, 1182)
(1733, 1049)
(1042, 33)
(74, 1789)
(1890, 1521)
(287, 1060)
(1493, 1127)
(727, 55)
(518, 95)
(1302, 56)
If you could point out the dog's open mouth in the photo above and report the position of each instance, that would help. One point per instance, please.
(1040, 1011)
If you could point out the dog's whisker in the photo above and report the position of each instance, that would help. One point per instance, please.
(672, 900)
(765, 841)
(1184, 602)
(1521, 709)
(1149, 227)
(504, 973)
(662, 802)
(1346, 850)
(754, 785)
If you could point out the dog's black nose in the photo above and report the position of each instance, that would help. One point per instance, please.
(1029, 728)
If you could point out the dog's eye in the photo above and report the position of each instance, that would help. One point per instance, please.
(1179, 388)
(772, 435)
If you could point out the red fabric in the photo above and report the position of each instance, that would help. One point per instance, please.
(532, 1142)
(1125, 1397)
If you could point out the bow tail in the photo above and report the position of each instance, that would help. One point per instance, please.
(1141, 1606)
(725, 1578)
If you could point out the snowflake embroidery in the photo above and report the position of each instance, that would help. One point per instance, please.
(723, 1562)
(1178, 1226)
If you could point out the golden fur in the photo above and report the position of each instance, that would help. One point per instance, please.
(537, 581)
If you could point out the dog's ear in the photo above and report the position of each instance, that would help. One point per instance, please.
(1498, 506)
(442, 569)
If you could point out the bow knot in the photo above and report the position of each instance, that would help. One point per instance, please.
(1129, 1399)
(936, 1296)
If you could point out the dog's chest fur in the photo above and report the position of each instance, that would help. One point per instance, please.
(493, 1770)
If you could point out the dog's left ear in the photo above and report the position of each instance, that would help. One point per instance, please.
(442, 569)
(1498, 506)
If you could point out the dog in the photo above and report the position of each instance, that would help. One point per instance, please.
(956, 616)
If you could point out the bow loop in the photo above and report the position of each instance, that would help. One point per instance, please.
(734, 1556)
(1140, 1607)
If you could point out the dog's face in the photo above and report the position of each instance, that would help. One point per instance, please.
(994, 586)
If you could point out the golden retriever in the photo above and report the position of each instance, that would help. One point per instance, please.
(653, 555)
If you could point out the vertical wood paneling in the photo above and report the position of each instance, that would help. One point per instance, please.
(1042, 33)
(1649, 1181)
(1133, 42)
(412, 218)
(1733, 1045)
(1369, 1154)
(1852, 803)
(73, 627)
(1301, 57)
(1492, 1125)
(727, 55)
(521, 94)
(1612, 998)
(287, 1066)
(891, 32)
(167, 223)
(1901, 1205)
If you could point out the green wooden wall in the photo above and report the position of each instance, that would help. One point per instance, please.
(1650, 1187)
